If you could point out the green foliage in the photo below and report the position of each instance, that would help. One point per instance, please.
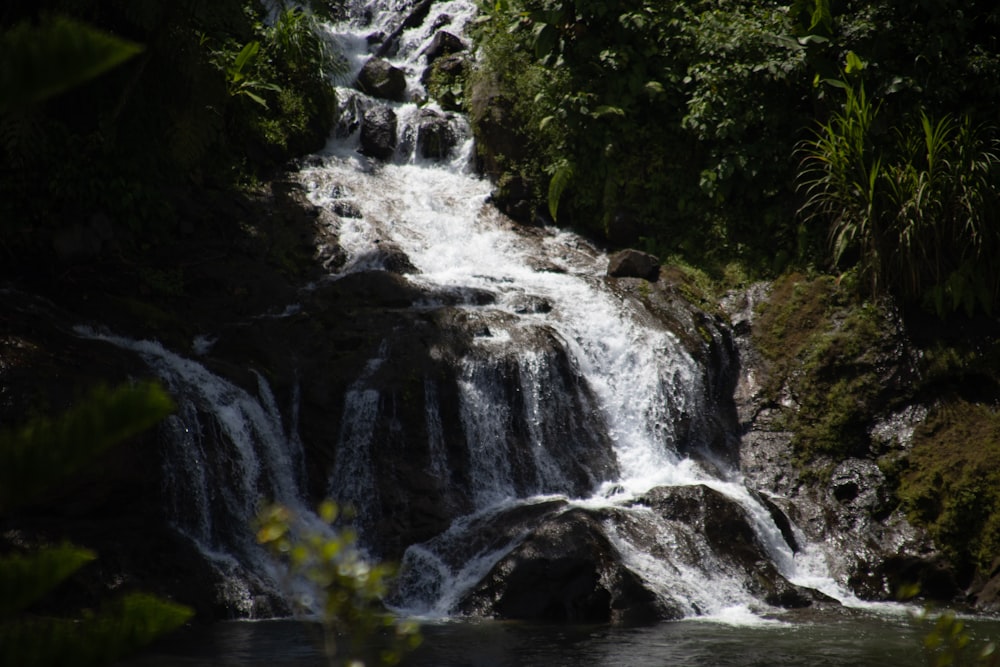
(39, 61)
(951, 483)
(94, 639)
(351, 588)
(45, 451)
(238, 81)
(947, 642)
(32, 459)
(825, 350)
(663, 111)
(916, 212)
(227, 97)
(561, 178)
(682, 119)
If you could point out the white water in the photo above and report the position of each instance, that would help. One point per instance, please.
(646, 389)
(643, 381)
(216, 483)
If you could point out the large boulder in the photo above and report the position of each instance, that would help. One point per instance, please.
(378, 133)
(443, 44)
(491, 114)
(435, 136)
(727, 530)
(632, 263)
(566, 570)
(380, 78)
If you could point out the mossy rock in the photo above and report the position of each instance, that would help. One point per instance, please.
(951, 481)
(834, 363)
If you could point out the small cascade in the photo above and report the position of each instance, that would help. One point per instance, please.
(229, 453)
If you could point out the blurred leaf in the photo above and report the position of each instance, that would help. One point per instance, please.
(25, 578)
(43, 60)
(557, 185)
(46, 451)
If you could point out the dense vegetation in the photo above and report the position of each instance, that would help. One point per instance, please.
(216, 95)
(761, 130)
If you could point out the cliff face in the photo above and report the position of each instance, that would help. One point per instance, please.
(864, 421)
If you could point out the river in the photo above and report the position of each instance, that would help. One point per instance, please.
(845, 638)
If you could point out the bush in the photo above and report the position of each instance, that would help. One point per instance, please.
(916, 210)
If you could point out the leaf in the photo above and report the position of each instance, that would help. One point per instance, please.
(247, 54)
(654, 88)
(45, 451)
(854, 63)
(25, 578)
(546, 40)
(557, 185)
(40, 61)
(822, 17)
(255, 97)
(606, 110)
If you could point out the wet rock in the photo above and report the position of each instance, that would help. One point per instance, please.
(435, 137)
(416, 17)
(728, 531)
(985, 595)
(514, 196)
(931, 576)
(491, 115)
(860, 484)
(444, 43)
(529, 304)
(634, 264)
(346, 209)
(566, 570)
(378, 133)
(380, 78)
(393, 259)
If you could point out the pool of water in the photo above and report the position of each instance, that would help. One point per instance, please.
(858, 638)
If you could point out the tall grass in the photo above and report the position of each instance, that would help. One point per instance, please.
(914, 209)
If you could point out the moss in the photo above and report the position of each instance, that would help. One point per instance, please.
(825, 350)
(951, 481)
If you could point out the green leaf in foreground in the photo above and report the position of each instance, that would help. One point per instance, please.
(47, 450)
(39, 61)
(557, 185)
(25, 578)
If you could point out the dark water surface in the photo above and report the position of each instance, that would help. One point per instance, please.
(842, 638)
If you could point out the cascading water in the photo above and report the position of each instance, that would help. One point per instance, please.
(521, 423)
(229, 453)
(570, 397)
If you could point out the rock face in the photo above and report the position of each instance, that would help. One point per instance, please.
(379, 78)
(378, 133)
(634, 264)
(435, 137)
(847, 506)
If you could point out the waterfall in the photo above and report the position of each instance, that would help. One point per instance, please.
(518, 411)
(571, 398)
(229, 452)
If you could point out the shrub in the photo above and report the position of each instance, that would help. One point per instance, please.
(916, 210)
